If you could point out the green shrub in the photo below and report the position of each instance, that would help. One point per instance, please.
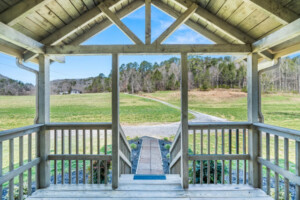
(166, 139)
(244, 89)
(16, 192)
(96, 165)
(136, 139)
(168, 146)
(168, 155)
(133, 146)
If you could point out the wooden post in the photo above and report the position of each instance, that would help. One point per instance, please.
(297, 168)
(43, 112)
(115, 121)
(253, 117)
(148, 21)
(184, 122)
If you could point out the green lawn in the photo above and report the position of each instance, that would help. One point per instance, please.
(278, 109)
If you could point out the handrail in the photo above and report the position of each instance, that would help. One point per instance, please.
(79, 125)
(124, 138)
(176, 138)
(280, 131)
(17, 132)
(220, 125)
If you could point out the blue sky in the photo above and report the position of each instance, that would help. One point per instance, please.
(89, 66)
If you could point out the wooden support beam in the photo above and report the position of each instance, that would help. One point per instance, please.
(282, 14)
(190, 23)
(228, 49)
(148, 21)
(69, 29)
(284, 34)
(19, 11)
(115, 121)
(15, 37)
(184, 122)
(179, 21)
(43, 117)
(253, 117)
(116, 20)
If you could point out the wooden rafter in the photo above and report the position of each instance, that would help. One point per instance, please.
(149, 49)
(179, 21)
(116, 20)
(286, 33)
(282, 14)
(22, 9)
(72, 27)
(148, 21)
(190, 23)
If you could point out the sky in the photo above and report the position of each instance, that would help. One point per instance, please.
(90, 66)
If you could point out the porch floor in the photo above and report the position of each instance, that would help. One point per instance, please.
(149, 189)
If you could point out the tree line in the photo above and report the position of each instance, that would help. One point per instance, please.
(205, 73)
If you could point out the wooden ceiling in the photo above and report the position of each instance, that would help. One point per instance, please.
(62, 22)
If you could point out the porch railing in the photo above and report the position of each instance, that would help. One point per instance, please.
(275, 165)
(25, 161)
(124, 153)
(80, 152)
(175, 153)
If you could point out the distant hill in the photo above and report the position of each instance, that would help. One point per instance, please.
(9, 86)
(70, 85)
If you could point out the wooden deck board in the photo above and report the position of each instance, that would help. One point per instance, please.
(149, 189)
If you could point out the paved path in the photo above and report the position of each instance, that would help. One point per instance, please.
(166, 130)
(150, 161)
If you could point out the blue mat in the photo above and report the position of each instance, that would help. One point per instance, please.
(149, 177)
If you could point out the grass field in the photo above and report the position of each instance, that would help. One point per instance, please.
(278, 109)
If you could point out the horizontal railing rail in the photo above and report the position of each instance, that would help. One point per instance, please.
(80, 152)
(215, 152)
(124, 153)
(11, 168)
(273, 138)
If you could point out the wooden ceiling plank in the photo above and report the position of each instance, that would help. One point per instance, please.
(179, 21)
(20, 10)
(116, 20)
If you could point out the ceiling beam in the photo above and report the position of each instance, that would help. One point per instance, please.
(19, 11)
(72, 27)
(190, 23)
(178, 22)
(282, 14)
(148, 21)
(228, 49)
(116, 20)
(284, 34)
(17, 38)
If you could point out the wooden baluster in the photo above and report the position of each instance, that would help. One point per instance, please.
(84, 174)
(55, 152)
(62, 152)
(230, 151)
(201, 162)
(244, 152)
(37, 155)
(105, 152)
(276, 163)
(98, 152)
(194, 151)
(20, 164)
(297, 168)
(237, 141)
(11, 168)
(91, 152)
(29, 176)
(77, 152)
(70, 152)
(1, 171)
(286, 167)
(268, 158)
(208, 152)
(223, 161)
(216, 162)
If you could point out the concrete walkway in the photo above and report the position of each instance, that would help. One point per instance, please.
(150, 161)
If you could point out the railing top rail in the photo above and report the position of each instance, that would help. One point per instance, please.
(176, 137)
(17, 132)
(214, 125)
(124, 138)
(79, 125)
(280, 131)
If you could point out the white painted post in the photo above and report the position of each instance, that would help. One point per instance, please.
(115, 121)
(43, 112)
(184, 122)
(253, 117)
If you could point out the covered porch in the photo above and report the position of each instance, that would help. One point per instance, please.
(192, 176)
